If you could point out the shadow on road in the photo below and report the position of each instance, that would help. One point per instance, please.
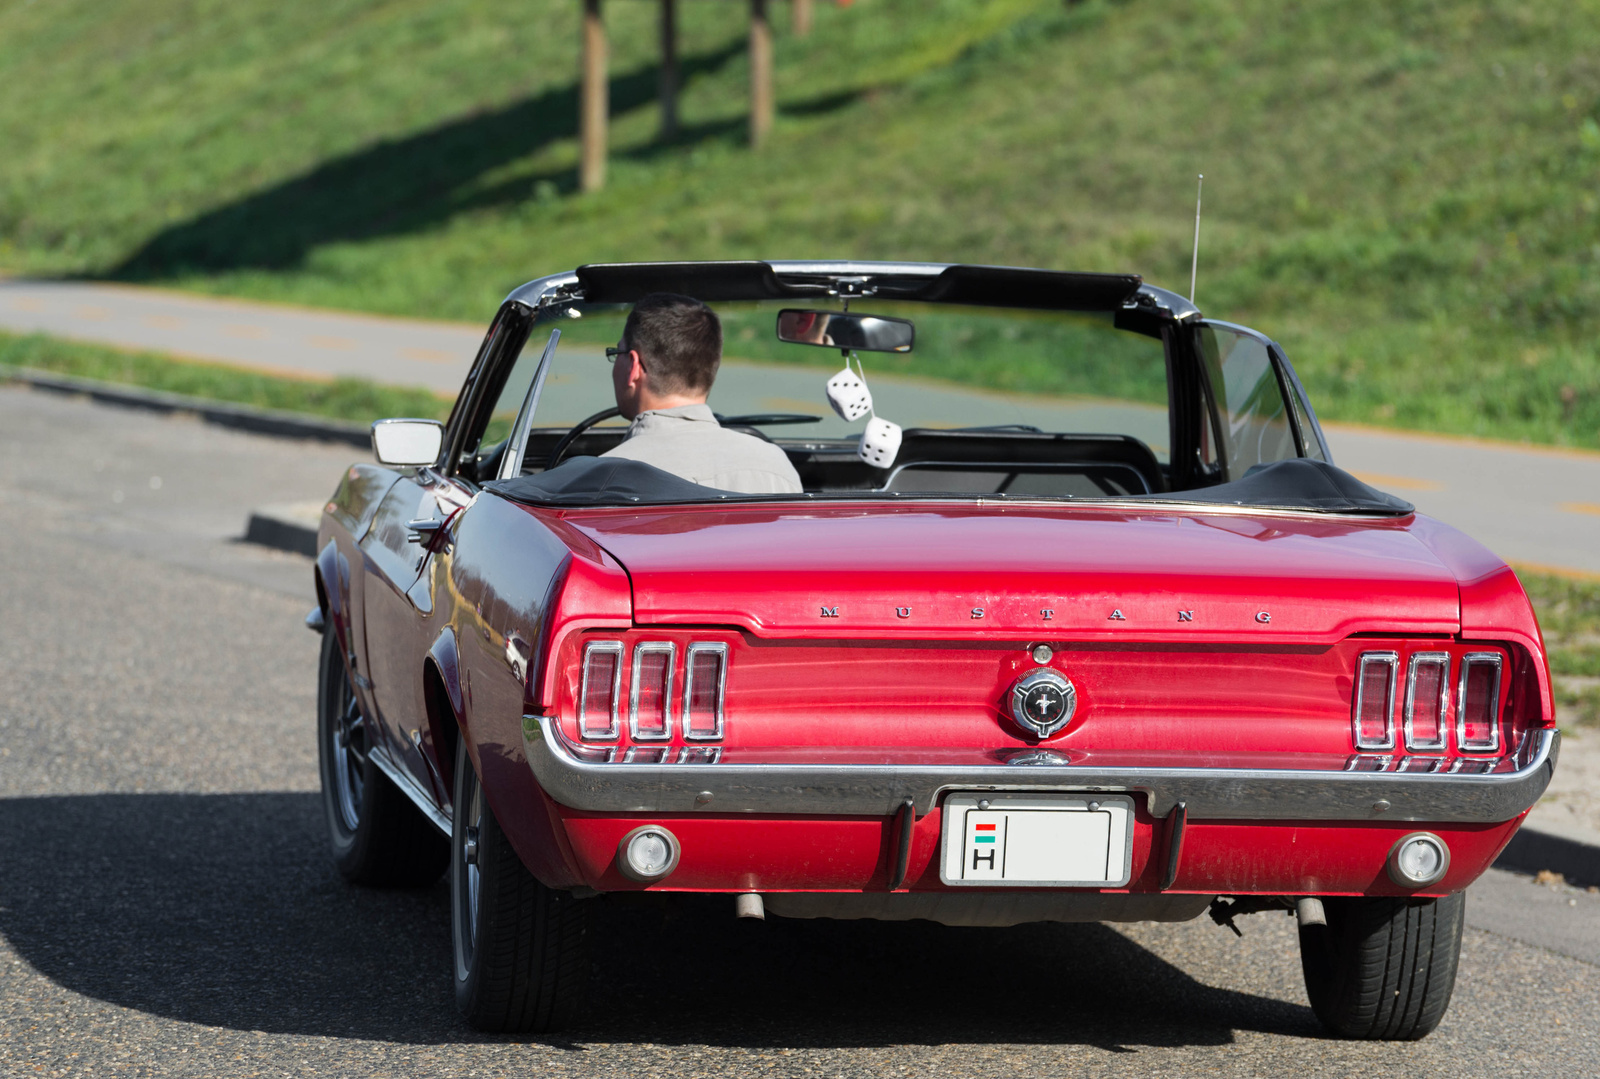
(224, 910)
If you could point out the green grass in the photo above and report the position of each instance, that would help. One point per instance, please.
(1569, 615)
(351, 399)
(1404, 192)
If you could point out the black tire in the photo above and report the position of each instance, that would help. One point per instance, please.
(1383, 969)
(521, 950)
(378, 836)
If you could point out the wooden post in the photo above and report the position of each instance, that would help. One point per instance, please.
(802, 17)
(669, 69)
(760, 73)
(594, 106)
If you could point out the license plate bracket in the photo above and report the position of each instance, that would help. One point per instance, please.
(1070, 839)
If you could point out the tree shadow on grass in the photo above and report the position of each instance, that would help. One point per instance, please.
(410, 184)
(392, 187)
(225, 910)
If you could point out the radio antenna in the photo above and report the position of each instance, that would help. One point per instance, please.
(1194, 266)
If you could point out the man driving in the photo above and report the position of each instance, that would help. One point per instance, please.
(662, 371)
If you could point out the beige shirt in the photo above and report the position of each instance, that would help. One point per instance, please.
(689, 442)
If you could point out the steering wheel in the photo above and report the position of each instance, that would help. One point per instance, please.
(760, 418)
(571, 436)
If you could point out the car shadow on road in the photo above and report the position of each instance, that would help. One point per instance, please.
(224, 910)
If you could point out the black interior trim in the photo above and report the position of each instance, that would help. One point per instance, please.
(1297, 485)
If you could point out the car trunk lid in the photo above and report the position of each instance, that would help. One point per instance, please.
(1080, 573)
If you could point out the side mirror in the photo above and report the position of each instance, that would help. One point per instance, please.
(407, 442)
(844, 330)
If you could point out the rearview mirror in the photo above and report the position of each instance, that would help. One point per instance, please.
(407, 442)
(845, 331)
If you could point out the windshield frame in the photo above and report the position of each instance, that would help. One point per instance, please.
(1149, 310)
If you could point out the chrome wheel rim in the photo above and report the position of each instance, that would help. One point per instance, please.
(347, 751)
(466, 875)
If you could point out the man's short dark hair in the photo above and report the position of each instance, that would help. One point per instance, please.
(679, 338)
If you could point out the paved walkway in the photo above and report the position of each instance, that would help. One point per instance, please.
(1537, 507)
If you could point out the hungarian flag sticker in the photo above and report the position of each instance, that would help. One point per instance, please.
(1065, 840)
(986, 844)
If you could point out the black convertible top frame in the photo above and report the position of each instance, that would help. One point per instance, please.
(988, 286)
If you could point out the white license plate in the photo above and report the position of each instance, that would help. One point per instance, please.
(1060, 840)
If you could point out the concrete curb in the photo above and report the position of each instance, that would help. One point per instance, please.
(261, 421)
(288, 527)
(1575, 857)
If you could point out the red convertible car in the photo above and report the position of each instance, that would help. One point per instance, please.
(1135, 652)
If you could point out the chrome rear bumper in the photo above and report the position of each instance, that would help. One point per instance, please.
(857, 790)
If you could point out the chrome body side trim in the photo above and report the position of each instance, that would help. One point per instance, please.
(410, 788)
(879, 790)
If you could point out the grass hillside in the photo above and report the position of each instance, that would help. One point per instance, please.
(1406, 193)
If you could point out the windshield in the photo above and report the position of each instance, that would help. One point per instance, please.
(971, 367)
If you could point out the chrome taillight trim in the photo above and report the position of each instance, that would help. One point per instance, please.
(1419, 659)
(697, 648)
(612, 730)
(1392, 661)
(1468, 661)
(647, 648)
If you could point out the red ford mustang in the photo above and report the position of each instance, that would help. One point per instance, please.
(1135, 652)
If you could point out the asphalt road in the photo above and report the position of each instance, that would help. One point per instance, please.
(1536, 507)
(167, 906)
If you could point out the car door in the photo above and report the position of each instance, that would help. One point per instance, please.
(401, 551)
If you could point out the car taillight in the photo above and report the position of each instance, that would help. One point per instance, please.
(705, 675)
(602, 685)
(1427, 694)
(650, 699)
(1374, 703)
(1478, 703)
(650, 668)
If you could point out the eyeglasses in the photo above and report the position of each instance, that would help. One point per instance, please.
(613, 352)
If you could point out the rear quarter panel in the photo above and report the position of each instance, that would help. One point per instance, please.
(517, 578)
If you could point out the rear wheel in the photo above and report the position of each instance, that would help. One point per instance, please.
(377, 835)
(521, 949)
(1383, 968)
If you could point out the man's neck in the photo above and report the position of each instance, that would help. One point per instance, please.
(649, 402)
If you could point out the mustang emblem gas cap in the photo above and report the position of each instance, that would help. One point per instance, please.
(1043, 701)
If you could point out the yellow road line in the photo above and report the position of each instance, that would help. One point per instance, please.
(429, 355)
(1581, 507)
(1405, 483)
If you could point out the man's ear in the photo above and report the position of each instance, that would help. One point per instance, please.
(638, 377)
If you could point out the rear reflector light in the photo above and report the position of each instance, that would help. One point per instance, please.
(1418, 860)
(650, 700)
(1478, 703)
(648, 854)
(705, 674)
(1374, 703)
(1427, 691)
(602, 685)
